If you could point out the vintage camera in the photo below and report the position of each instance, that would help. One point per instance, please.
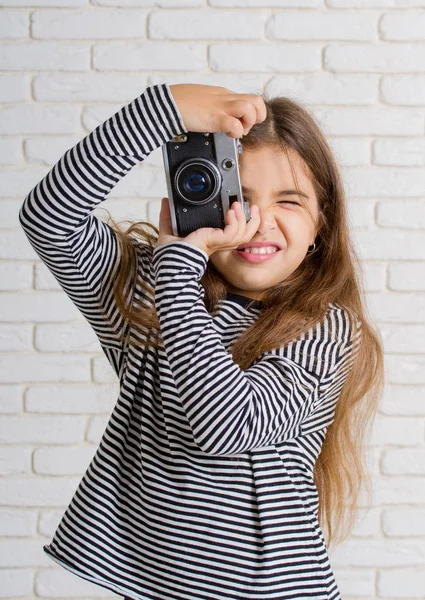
(202, 174)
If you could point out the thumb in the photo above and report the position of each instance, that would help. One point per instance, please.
(165, 226)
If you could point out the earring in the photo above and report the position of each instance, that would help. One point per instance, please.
(311, 248)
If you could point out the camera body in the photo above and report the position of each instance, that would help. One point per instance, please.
(202, 175)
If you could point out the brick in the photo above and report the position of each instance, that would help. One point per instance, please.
(391, 182)
(9, 214)
(367, 523)
(406, 369)
(61, 583)
(361, 212)
(15, 583)
(88, 25)
(14, 88)
(375, 276)
(403, 461)
(375, 3)
(397, 307)
(373, 456)
(44, 56)
(10, 399)
(326, 88)
(38, 491)
(16, 522)
(242, 83)
(403, 338)
(379, 553)
(151, 56)
(10, 151)
(27, 367)
(206, 25)
(102, 370)
(152, 3)
(358, 582)
(374, 58)
(67, 337)
(403, 522)
(389, 490)
(96, 429)
(399, 152)
(48, 150)
(403, 400)
(15, 338)
(88, 87)
(264, 57)
(17, 183)
(266, 3)
(350, 151)
(15, 276)
(390, 244)
(23, 553)
(403, 89)
(123, 209)
(322, 25)
(33, 118)
(15, 460)
(369, 121)
(406, 276)
(401, 583)
(14, 24)
(37, 3)
(44, 280)
(63, 461)
(92, 116)
(408, 26)
(72, 399)
(403, 431)
(52, 307)
(49, 520)
(35, 429)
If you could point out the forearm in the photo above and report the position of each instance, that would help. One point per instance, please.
(85, 175)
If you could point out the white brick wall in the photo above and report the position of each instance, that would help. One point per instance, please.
(65, 66)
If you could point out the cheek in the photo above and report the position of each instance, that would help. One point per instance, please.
(294, 227)
(219, 259)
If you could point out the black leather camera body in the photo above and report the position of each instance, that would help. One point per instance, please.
(202, 175)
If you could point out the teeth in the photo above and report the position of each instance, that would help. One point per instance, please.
(264, 250)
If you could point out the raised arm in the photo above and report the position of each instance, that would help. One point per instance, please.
(80, 250)
(230, 410)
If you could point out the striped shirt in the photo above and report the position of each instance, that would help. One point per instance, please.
(202, 485)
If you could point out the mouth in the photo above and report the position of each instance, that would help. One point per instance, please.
(258, 256)
(259, 245)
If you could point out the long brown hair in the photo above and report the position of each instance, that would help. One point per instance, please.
(330, 274)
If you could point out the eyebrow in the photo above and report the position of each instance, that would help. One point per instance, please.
(280, 192)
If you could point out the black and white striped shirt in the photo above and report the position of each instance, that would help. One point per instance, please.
(202, 485)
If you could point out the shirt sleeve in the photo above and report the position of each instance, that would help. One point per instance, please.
(80, 250)
(230, 410)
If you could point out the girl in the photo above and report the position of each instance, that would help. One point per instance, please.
(243, 376)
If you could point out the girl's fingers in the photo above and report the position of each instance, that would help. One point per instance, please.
(237, 230)
(245, 230)
(254, 221)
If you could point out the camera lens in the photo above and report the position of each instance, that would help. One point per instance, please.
(195, 183)
(198, 180)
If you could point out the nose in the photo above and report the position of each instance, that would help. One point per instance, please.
(267, 221)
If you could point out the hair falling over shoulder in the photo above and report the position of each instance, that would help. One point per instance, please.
(330, 274)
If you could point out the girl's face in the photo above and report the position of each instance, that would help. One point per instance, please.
(265, 174)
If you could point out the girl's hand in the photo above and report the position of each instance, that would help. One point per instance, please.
(211, 108)
(212, 239)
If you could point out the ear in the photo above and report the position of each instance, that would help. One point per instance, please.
(165, 226)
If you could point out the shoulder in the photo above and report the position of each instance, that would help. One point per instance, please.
(323, 345)
(343, 323)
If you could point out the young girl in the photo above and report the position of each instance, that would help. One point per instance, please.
(246, 379)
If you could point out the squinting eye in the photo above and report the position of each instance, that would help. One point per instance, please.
(289, 202)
